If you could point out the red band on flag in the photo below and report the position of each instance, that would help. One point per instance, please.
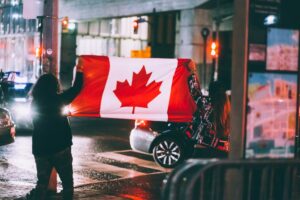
(181, 105)
(87, 103)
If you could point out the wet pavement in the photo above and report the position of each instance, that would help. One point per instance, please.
(104, 165)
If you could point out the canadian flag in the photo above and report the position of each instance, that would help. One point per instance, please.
(135, 88)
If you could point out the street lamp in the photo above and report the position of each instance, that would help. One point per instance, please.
(205, 33)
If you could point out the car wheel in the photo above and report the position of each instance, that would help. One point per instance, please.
(168, 152)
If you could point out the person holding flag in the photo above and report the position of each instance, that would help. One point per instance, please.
(52, 137)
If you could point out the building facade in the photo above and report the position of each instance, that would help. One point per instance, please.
(170, 28)
(18, 40)
(166, 29)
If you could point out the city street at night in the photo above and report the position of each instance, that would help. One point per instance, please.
(105, 167)
(149, 100)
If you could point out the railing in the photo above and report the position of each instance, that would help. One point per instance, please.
(234, 180)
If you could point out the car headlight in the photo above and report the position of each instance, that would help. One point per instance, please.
(66, 110)
(22, 110)
(23, 100)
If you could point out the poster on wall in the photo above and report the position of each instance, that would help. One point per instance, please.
(271, 115)
(257, 52)
(282, 49)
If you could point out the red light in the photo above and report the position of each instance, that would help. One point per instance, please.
(38, 52)
(140, 123)
(213, 53)
(65, 24)
(65, 21)
(213, 45)
(135, 26)
(214, 49)
(132, 197)
(13, 131)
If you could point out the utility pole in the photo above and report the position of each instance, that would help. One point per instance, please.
(50, 37)
(50, 55)
(40, 30)
(218, 21)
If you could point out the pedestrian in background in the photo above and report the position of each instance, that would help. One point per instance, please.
(52, 137)
(220, 115)
(210, 122)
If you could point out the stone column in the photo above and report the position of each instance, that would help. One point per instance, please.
(189, 41)
(234, 178)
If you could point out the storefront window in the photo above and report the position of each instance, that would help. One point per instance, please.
(112, 37)
(17, 39)
(273, 70)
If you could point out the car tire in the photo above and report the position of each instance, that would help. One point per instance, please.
(168, 152)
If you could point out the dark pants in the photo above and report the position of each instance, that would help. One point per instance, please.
(62, 162)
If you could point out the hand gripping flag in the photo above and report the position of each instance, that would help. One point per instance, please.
(135, 88)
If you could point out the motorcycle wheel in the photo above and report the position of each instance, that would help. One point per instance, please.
(168, 152)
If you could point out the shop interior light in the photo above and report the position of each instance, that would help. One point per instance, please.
(20, 86)
(270, 20)
(14, 2)
(16, 16)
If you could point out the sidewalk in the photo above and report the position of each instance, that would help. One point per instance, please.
(90, 195)
(139, 188)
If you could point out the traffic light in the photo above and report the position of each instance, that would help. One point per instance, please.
(214, 49)
(65, 24)
(135, 26)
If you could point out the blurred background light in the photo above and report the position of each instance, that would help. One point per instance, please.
(270, 20)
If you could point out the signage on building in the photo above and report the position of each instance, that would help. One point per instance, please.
(146, 53)
(49, 51)
(266, 7)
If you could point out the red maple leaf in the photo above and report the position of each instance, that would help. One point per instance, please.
(138, 94)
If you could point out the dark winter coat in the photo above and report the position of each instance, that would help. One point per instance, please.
(52, 132)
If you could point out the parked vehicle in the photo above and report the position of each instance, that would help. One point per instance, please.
(169, 143)
(7, 128)
(16, 99)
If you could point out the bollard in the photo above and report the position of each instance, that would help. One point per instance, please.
(52, 187)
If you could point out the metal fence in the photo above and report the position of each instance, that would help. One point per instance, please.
(234, 180)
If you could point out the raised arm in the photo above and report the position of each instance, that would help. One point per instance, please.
(69, 95)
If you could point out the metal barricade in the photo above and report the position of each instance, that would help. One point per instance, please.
(277, 179)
